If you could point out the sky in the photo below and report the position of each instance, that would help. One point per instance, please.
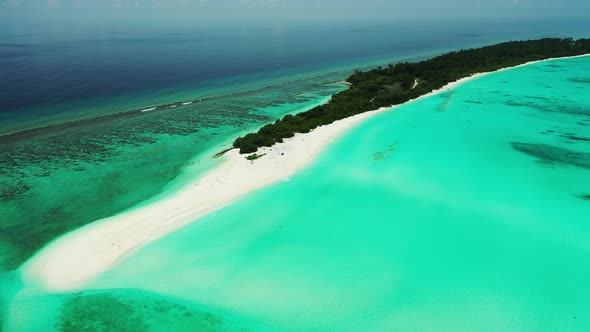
(284, 10)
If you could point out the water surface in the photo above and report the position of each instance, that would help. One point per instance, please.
(459, 212)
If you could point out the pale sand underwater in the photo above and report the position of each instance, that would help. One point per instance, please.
(73, 260)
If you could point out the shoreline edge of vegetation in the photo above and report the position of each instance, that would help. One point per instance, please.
(396, 84)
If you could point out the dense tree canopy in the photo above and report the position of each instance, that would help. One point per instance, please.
(394, 84)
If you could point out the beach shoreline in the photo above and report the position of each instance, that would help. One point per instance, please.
(74, 259)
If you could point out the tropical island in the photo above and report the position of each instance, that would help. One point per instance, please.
(397, 84)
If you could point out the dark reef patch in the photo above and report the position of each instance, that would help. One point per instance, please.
(584, 80)
(133, 310)
(541, 98)
(383, 154)
(546, 132)
(559, 106)
(445, 103)
(100, 312)
(473, 102)
(585, 197)
(573, 137)
(551, 153)
(13, 191)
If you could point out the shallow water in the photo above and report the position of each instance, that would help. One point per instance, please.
(463, 211)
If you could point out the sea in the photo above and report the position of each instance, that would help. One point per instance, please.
(460, 209)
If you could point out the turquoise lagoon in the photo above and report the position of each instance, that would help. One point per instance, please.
(464, 211)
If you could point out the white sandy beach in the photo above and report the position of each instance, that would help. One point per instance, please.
(71, 261)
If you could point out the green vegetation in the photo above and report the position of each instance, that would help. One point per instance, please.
(395, 84)
(254, 156)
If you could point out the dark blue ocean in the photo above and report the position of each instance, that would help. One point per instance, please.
(47, 70)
